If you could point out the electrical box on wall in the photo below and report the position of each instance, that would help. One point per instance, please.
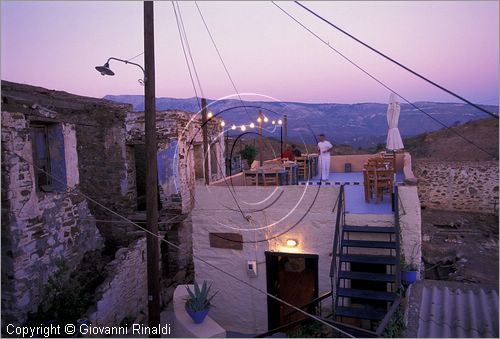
(252, 268)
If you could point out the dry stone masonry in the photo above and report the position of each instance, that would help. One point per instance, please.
(68, 160)
(460, 185)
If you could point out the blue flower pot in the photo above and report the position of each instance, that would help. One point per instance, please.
(197, 316)
(409, 276)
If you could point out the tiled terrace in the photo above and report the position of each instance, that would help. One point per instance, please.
(354, 192)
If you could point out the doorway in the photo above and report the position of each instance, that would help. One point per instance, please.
(292, 277)
(198, 161)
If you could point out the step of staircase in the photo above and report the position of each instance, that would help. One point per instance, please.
(369, 229)
(359, 313)
(367, 276)
(369, 259)
(366, 294)
(369, 244)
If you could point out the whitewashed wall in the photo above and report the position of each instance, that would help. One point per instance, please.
(238, 307)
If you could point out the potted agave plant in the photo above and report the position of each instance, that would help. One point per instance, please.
(198, 301)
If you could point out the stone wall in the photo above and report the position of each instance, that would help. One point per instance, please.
(123, 295)
(177, 133)
(460, 185)
(39, 229)
(100, 154)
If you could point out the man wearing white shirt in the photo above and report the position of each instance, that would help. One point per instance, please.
(324, 148)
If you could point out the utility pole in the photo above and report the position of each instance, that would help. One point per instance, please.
(261, 157)
(285, 140)
(204, 132)
(153, 251)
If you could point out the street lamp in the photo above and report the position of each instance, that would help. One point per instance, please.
(152, 243)
(105, 70)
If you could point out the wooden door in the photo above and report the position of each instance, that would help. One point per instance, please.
(294, 279)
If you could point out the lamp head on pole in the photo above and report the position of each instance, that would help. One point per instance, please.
(104, 69)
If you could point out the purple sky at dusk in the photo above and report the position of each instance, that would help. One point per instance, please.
(456, 44)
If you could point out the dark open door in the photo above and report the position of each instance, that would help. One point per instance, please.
(292, 277)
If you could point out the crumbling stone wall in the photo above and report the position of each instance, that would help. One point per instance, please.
(459, 185)
(123, 295)
(177, 132)
(103, 168)
(39, 229)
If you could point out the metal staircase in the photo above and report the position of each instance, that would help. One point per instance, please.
(365, 273)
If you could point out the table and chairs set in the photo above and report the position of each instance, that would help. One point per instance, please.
(281, 172)
(379, 176)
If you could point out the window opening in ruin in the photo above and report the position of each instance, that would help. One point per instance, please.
(48, 156)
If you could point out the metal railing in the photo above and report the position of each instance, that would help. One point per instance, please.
(397, 282)
(337, 246)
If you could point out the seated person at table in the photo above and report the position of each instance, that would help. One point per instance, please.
(288, 154)
(296, 151)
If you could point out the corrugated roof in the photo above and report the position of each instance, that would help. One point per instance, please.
(443, 309)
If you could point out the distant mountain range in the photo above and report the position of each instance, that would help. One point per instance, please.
(358, 125)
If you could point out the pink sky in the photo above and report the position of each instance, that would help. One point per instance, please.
(57, 44)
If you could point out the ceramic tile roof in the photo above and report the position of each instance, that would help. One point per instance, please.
(443, 309)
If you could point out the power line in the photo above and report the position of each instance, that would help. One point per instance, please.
(396, 62)
(220, 57)
(185, 55)
(382, 83)
(189, 48)
(79, 192)
(132, 58)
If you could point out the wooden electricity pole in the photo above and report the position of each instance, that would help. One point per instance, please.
(285, 129)
(153, 251)
(204, 132)
(261, 146)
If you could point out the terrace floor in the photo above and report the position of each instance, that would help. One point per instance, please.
(354, 192)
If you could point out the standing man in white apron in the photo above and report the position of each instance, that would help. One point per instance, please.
(324, 148)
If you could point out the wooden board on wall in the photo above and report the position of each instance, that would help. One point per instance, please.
(232, 241)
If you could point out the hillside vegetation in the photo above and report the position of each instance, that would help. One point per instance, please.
(447, 145)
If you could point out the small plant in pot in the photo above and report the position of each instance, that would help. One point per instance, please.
(409, 270)
(198, 301)
(409, 273)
